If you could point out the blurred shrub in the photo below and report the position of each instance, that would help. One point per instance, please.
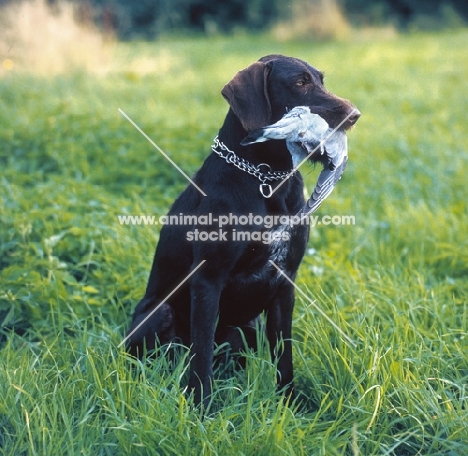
(306, 19)
(146, 19)
(49, 40)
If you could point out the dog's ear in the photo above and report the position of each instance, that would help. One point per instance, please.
(247, 95)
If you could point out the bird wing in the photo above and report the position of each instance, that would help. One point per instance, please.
(336, 146)
(325, 184)
(279, 130)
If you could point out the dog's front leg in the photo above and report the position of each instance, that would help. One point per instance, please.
(204, 312)
(279, 322)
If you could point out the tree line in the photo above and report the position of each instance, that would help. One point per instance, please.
(149, 18)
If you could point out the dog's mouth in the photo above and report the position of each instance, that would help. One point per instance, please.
(336, 118)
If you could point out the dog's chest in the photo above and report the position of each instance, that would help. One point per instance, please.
(262, 262)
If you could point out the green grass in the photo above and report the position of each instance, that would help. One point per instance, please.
(395, 282)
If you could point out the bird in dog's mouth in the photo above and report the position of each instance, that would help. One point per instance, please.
(308, 136)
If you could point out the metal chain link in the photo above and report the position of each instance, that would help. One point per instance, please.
(244, 165)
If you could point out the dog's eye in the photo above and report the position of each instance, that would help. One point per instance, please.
(301, 82)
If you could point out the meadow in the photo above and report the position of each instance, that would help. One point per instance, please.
(395, 282)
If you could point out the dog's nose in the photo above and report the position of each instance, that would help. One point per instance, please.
(354, 116)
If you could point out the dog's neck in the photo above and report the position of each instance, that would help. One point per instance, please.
(275, 153)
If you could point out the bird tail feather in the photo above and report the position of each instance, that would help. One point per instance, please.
(254, 137)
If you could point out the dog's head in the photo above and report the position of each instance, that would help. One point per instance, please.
(263, 92)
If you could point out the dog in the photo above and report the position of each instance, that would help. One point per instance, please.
(231, 280)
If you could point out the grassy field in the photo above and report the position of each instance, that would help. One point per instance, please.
(395, 282)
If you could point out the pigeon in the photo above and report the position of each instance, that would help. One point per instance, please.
(299, 127)
(307, 135)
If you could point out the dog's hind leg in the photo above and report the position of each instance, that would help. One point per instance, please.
(149, 326)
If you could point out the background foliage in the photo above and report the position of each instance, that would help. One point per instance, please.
(149, 18)
(152, 17)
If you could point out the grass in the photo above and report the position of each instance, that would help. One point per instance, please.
(396, 281)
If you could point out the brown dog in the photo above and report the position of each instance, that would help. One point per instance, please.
(234, 281)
